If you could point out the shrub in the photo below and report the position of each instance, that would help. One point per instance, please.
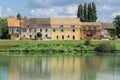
(105, 47)
(87, 42)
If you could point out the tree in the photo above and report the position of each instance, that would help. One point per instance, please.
(117, 24)
(94, 12)
(39, 34)
(80, 13)
(87, 13)
(19, 16)
(3, 29)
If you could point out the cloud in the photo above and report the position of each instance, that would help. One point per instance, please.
(49, 3)
(105, 7)
(114, 14)
(63, 11)
(9, 10)
(0, 11)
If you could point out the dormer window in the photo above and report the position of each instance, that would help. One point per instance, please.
(73, 28)
(62, 28)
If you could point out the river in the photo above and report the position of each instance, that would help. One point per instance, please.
(60, 68)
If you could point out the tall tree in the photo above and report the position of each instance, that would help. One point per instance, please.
(117, 24)
(19, 16)
(85, 12)
(3, 29)
(80, 12)
(94, 12)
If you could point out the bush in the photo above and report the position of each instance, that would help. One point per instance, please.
(105, 47)
(87, 42)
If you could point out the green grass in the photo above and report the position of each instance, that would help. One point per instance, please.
(51, 46)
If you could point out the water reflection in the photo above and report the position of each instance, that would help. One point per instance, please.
(60, 68)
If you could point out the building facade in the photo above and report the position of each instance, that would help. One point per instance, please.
(90, 30)
(108, 30)
(65, 29)
(56, 29)
(14, 28)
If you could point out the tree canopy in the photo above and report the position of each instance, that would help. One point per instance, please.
(3, 29)
(19, 16)
(87, 12)
(117, 24)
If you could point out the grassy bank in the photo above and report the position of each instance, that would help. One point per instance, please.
(52, 46)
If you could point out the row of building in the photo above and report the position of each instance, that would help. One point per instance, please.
(58, 29)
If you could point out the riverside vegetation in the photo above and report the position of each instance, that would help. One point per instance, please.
(59, 46)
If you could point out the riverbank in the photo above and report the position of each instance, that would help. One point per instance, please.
(52, 46)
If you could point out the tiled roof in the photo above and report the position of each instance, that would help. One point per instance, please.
(13, 22)
(90, 24)
(35, 22)
(108, 25)
(65, 21)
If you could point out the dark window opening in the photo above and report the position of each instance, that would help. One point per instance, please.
(73, 37)
(12, 30)
(62, 37)
(46, 35)
(17, 36)
(84, 32)
(30, 36)
(41, 30)
(54, 30)
(62, 30)
(68, 36)
(57, 37)
(73, 30)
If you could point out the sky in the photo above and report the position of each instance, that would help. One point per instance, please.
(106, 9)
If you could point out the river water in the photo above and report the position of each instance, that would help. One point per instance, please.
(60, 68)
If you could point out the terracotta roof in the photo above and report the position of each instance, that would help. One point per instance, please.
(65, 21)
(108, 25)
(13, 22)
(35, 22)
(90, 24)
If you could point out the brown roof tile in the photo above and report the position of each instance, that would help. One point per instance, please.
(13, 22)
(108, 25)
(90, 24)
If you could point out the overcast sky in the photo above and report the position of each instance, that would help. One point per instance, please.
(106, 9)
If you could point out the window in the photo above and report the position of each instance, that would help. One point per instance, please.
(62, 30)
(57, 37)
(54, 30)
(12, 30)
(84, 32)
(68, 36)
(30, 30)
(46, 35)
(61, 26)
(73, 30)
(46, 30)
(41, 30)
(17, 30)
(62, 37)
(73, 37)
(17, 36)
(73, 26)
(94, 28)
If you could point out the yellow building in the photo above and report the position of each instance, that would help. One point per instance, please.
(14, 28)
(65, 28)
